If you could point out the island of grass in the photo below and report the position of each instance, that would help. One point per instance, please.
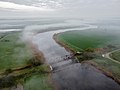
(20, 67)
(93, 42)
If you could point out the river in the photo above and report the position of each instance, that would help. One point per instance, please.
(68, 75)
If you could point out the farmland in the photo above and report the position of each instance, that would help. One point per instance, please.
(80, 40)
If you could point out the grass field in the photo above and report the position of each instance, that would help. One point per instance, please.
(79, 40)
(37, 82)
(13, 52)
(116, 55)
(36, 78)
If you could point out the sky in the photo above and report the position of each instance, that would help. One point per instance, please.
(60, 8)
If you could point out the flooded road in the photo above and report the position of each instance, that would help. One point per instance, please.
(68, 75)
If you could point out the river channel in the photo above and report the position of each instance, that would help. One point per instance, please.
(67, 74)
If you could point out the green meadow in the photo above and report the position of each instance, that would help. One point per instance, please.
(92, 38)
(13, 52)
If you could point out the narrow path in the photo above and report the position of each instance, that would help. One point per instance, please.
(107, 55)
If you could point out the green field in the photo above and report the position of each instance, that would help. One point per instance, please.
(116, 55)
(13, 52)
(35, 78)
(37, 82)
(79, 40)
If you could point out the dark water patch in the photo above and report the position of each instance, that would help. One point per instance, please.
(83, 77)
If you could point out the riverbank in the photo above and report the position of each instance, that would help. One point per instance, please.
(62, 44)
(103, 70)
(99, 66)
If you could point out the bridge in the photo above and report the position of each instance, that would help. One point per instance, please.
(58, 59)
(62, 61)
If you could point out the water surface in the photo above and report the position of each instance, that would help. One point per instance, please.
(68, 75)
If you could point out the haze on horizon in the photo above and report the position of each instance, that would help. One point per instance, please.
(59, 8)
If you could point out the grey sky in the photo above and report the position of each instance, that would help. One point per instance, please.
(75, 8)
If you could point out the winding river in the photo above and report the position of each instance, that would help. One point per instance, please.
(68, 75)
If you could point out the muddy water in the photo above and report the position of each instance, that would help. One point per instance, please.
(68, 75)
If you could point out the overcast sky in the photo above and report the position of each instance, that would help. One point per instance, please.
(71, 8)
